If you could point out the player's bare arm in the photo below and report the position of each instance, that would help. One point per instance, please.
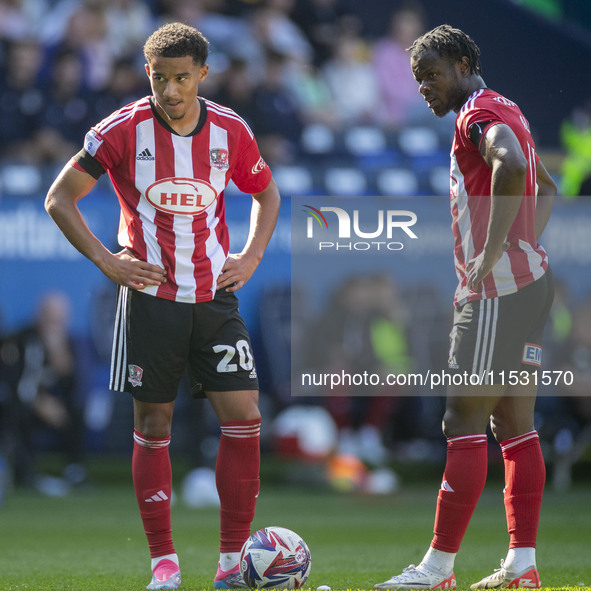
(239, 268)
(502, 152)
(547, 191)
(61, 204)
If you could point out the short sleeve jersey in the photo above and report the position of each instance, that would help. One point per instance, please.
(525, 260)
(171, 189)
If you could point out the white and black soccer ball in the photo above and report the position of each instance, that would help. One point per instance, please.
(275, 558)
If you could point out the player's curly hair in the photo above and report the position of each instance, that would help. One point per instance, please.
(177, 40)
(451, 44)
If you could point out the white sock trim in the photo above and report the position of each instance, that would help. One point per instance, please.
(229, 560)
(519, 559)
(438, 561)
(509, 443)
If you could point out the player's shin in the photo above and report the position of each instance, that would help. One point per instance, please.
(152, 481)
(237, 480)
(463, 481)
(525, 475)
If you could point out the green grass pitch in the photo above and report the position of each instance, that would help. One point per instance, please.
(93, 540)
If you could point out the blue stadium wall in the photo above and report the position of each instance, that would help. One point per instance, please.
(36, 258)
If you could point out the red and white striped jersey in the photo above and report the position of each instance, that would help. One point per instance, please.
(526, 260)
(171, 189)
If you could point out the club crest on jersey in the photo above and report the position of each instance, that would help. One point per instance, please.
(181, 195)
(218, 158)
(135, 375)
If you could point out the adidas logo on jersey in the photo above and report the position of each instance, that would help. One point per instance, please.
(145, 155)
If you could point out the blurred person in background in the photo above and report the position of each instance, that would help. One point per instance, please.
(322, 21)
(352, 81)
(575, 356)
(129, 22)
(229, 33)
(399, 99)
(39, 367)
(311, 93)
(126, 84)
(86, 32)
(501, 197)
(363, 330)
(68, 110)
(21, 101)
(566, 418)
(575, 134)
(236, 89)
(170, 157)
(275, 113)
(21, 19)
(273, 25)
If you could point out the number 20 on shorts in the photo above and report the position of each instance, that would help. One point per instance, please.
(228, 362)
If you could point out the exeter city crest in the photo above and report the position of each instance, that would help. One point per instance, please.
(218, 158)
(135, 375)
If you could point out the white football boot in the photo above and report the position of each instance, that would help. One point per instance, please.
(506, 579)
(413, 577)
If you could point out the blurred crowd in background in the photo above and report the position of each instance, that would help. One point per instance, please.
(68, 64)
(298, 71)
(302, 73)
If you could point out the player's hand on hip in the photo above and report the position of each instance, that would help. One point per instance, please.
(125, 269)
(237, 270)
(480, 266)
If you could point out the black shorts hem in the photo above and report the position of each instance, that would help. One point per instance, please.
(201, 392)
(157, 397)
(230, 389)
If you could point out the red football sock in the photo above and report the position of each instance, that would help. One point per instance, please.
(463, 481)
(152, 480)
(525, 475)
(237, 480)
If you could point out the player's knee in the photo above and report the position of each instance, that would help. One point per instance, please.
(153, 420)
(236, 406)
(251, 411)
(501, 428)
(457, 423)
(154, 425)
(452, 423)
(505, 427)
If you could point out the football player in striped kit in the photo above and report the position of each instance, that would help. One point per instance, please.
(501, 199)
(169, 157)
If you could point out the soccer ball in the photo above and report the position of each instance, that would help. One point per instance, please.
(275, 557)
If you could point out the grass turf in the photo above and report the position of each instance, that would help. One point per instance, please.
(93, 539)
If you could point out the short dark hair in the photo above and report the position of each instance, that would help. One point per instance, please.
(451, 44)
(177, 40)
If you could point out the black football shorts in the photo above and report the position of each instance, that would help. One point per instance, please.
(156, 340)
(502, 334)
